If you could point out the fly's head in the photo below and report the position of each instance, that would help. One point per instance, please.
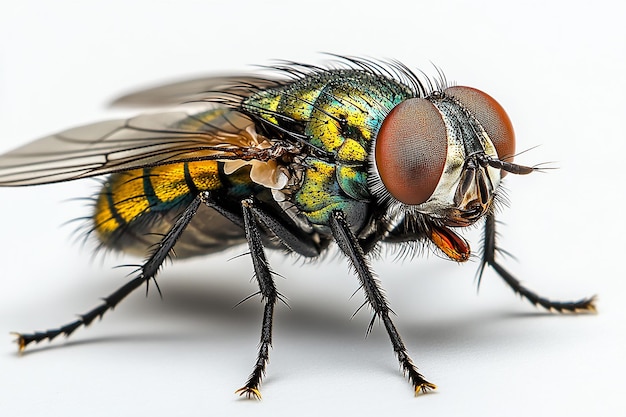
(443, 156)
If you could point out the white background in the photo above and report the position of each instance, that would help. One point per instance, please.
(557, 67)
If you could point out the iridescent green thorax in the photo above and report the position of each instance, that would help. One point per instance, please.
(338, 112)
(331, 107)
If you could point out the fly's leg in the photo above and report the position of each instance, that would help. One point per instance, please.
(350, 246)
(250, 215)
(147, 272)
(269, 294)
(284, 229)
(489, 250)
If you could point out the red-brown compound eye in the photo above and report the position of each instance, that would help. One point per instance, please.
(411, 149)
(491, 116)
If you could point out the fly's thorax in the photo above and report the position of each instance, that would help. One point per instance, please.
(325, 188)
(431, 155)
(327, 108)
(337, 113)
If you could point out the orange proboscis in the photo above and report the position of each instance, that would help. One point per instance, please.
(454, 246)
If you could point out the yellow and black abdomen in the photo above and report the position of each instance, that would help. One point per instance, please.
(136, 208)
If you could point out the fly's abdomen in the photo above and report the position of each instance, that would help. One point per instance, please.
(136, 208)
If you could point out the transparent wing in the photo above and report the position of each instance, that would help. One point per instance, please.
(213, 89)
(121, 145)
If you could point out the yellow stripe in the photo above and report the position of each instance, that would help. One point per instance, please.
(205, 175)
(168, 182)
(129, 195)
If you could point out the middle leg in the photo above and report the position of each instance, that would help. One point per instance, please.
(269, 294)
(255, 218)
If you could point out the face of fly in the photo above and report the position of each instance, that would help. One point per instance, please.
(443, 156)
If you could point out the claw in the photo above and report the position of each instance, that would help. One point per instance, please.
(424, 388)
(590, 306)
(249, 392)
(21, 343)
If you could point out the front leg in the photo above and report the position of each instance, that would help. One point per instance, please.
(350, 246)
(488, 258)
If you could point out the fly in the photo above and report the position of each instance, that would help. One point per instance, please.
(362, 155)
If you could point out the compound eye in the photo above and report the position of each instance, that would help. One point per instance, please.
(411, 149)
(491, 116)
